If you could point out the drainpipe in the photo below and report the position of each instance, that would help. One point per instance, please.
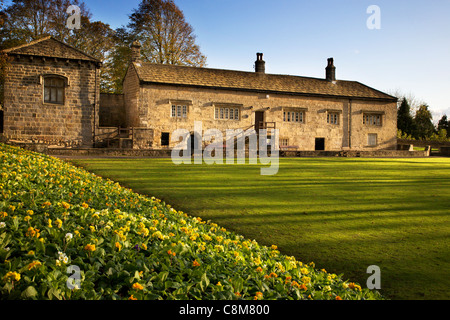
(350, 124)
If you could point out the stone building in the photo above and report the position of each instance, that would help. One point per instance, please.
(51, 94)
(310, 113)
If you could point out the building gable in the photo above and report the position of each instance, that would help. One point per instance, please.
(50, 47)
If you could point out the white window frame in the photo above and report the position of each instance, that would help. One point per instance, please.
(333, 118)
(179, 111)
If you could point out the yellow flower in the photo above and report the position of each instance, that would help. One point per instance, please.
(118, 246)
(34, 264)
(306, 280)
(85, 205)
(58, 223)
(12, 275)
(30, 212)
(138, 286)
(274, 247)
(92, 228)
(65, 205)
(304, 271)
(219, 284)
(3, 215)
(144, 246)
(27, 218)
(49, 223)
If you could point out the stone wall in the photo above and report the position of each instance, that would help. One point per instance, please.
(28, 118)
(154, 108)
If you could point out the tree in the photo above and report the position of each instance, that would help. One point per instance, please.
(164, 34)
(444, 124)
(115, 66)
(405, 121)
(424, 123)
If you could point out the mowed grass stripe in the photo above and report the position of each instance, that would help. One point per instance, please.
(344, 214)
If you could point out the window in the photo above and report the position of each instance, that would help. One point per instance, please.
(221, 113)
(372, 119)
(284, 142)
(333, 117)
(372, 139)
(54, 90)
(179, 111)
(293, 116)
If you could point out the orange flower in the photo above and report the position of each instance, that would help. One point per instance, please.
(195, 263)
(258, 295)
(132, 298)
(259, 269)
(138, 286)
(338, 298)
(90, 247)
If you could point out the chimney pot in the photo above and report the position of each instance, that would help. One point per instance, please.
(260, 64)
(330, 70)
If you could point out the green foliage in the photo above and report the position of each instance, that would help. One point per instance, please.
(405, 121)
(128, 246)
(423, 120)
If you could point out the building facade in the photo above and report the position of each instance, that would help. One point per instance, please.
(51, 94)
(310, 113)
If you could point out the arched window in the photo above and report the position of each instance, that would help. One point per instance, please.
(54, 89)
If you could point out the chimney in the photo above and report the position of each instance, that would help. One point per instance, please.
(136, 52)
(260, 64)
(330, 71)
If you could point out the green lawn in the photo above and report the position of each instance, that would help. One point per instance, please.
(343, 214)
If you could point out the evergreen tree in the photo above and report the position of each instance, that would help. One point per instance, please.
(405, 121)
(424, 123)
(444, 124)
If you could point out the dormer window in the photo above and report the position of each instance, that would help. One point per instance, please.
(54, 89)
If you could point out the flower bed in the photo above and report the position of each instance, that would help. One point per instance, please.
(68, 234)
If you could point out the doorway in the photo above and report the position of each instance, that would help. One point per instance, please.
(259, 118)
(320, 144)
(165, 138)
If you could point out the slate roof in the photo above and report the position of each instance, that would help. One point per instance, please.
(256, 82)
(50, 47)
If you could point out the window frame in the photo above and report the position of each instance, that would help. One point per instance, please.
(227, 113)
(58, 88)
(373, 119)
(294, 115)
(334, 118)
(179, 111)
(369, 144)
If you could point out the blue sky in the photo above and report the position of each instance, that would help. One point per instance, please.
(410, 53)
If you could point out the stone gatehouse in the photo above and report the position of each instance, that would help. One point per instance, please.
(53, 94)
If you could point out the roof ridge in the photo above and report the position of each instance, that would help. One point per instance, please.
(27, 44)
(50, 37)
(239, 71)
